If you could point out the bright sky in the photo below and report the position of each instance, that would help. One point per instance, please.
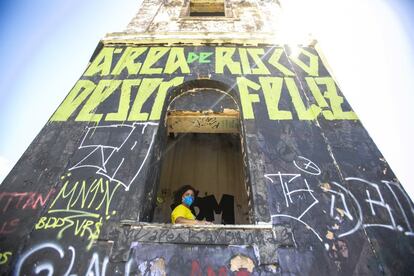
(45, 46)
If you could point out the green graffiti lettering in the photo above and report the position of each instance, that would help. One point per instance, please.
(246, 98)
(79, 226)
(331, 94)
(244, 61)
(161, 95)
(101, 64)
(41, 223)
(272, 90)
(77, 95)
(88, 98)
(319, 98)
(80, 206)
(96, 187)
(204, 57)
(124, 100)
(274, 60)
(153, 56)
(259, 68)
(128, 61)
(224, 58)
(87, 226)
(63, 194)
(84, 196)
(176, 60)
(84, 193)
(103, 90)
(301, 110)
(192, 57)
(107, 196)
(147, 87)
(55, 222)
(313, 68)
(4, 257)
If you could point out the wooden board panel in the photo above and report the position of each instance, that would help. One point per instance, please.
(211, 123)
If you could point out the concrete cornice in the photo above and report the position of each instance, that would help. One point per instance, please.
(200, 38)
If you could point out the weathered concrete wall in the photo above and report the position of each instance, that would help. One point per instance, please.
(324, 201)
(246, 21)
(249, 16)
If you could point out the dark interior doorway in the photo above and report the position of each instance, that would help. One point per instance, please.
(211, 163)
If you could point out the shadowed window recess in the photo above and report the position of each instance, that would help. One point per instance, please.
(207, 8)
(203, 149)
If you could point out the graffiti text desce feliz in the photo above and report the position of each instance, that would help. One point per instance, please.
(92, 95)
(86, 97)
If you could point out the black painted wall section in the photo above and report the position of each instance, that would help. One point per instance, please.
(313, 174)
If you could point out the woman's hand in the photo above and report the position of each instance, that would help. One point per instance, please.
(204, 222)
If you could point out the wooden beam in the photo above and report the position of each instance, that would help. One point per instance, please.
(197, 122)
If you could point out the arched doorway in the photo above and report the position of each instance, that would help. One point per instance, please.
(204, 150)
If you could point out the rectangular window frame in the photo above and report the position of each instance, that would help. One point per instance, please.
(229, 15)
(204, 8)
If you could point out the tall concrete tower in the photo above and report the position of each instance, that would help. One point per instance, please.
(206, 93)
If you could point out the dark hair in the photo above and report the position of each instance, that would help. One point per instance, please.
(177, 195)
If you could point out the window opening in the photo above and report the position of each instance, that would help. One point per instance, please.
(211, 163)
(204, 149)
(207, 8)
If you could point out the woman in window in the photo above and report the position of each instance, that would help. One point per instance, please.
(183, 199)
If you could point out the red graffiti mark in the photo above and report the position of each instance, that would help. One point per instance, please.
(9, 226)
(23, 200)
(222, 272)
(242, 272)
(196, 270)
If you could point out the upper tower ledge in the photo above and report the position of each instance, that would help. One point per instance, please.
(196, 22)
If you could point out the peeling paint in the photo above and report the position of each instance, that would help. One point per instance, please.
(330, 235)
(239, 262)
(325, 187)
